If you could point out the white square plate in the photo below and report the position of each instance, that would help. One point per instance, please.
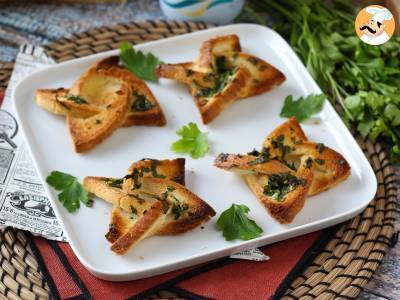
(239, 129)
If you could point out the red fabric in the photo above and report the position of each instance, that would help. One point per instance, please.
(237, 280)
(1, 97)
(251, 280)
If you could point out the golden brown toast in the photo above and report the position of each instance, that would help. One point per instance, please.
(288, 155)
(144, 109)
(103, 99)
(60, 102)
(143, 227)
(249, 164)
(173, 169)
(222, 74)
(282, 193)
(289, 143)
(137, 199)
(111, 96)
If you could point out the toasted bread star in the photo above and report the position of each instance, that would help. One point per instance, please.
(221, 75)
(287, 170)
(150, 200)
(103, 99)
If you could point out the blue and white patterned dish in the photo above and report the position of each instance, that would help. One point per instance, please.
(211, 11)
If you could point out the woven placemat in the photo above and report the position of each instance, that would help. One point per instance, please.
(341, 269)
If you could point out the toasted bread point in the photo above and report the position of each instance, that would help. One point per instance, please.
(111, 190)
(249, 164)
(329, 167)
(212, 106)
(144, 227)
(89, 132)
(57, 101)
(291, 130)
(192, 210)
(286, 209)
(216, 47)
(264, 76)
(120, 223)
(173, 169)
(144, 109)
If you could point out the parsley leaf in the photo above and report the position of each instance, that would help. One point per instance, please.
(142, 65)
(72, 192)
(303, 108)
(235, 224)
(193, 141)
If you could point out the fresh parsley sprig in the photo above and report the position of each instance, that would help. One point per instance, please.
(72, 191)
(193, 141)
(363, 79)
(302, 108)
(235, 224)
(142, 65)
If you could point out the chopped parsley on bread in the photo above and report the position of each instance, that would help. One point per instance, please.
(287, 170)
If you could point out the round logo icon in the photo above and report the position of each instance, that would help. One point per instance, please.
(374, 25)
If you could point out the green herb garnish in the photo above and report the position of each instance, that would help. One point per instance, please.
(72, 192)
(222, 80)
(142, 65)
(279, 185)
(141, 103)
(235, 224)
(308, 163)
(320, 147)
(262, 157)
(303, 108)
(76, 99)
(193, 141)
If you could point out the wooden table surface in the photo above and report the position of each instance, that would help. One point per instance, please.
(42, 22)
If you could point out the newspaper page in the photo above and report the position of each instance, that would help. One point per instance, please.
(23, 201)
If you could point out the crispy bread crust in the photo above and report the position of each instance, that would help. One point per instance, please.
(215, 47)
(319, 167)
(172, 169)
(120, 223)
(283, 211)
(198, 211)
(133, 217)
(111, 93)
(253, 75)
(54, 101)
(242, 164)
(329, 167)
(153, 116)
(87, 133)
(217, 103)
(142, 228)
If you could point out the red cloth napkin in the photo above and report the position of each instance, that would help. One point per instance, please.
(224, 278)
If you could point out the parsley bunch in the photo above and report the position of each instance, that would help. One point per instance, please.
(363, 79)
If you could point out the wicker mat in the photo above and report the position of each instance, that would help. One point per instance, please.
(342, 268)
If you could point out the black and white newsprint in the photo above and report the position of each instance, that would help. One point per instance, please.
(23, 201)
